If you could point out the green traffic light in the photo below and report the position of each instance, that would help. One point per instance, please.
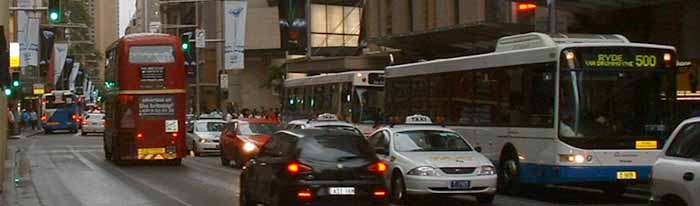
(15, 83)
(185, 46)
(53, 16)
(8, 92)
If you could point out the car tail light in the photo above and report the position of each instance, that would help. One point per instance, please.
(304, 194)
(85, 123)
(379, 193)
(295, 168)
(378, 167)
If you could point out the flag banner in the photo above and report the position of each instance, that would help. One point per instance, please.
(234, 45)
(28, 38)
(73, 76)
(60, 52)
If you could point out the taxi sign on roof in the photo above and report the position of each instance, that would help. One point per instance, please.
(327, 117)
(418, 119)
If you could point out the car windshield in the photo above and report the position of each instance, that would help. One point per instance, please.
(210, 126)
(430, 141)
(334, 148)
(345, 128)
(250, 129)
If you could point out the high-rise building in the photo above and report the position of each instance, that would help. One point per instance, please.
(105, 29)
(140, 22)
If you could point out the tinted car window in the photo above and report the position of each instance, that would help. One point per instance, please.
(430, 141)
(334, 149)
(344, 128)
(210, 126)
(257, 128)
(687, 142)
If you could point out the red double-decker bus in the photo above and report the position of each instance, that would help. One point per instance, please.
(145, 99)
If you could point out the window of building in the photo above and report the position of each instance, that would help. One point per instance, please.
(335, 26)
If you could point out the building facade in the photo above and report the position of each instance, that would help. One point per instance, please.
(146, 17)
(105, 29)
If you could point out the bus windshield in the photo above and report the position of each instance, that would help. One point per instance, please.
(52, 103)
(609, 104)
(371, 102)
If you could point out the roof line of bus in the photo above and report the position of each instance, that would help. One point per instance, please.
(330, 75)
(525, 56)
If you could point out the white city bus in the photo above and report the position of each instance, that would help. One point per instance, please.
(357, 97)
(562, 109)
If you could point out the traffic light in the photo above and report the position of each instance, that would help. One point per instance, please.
(8, 92)
(16, 83)
(55, 13)
(186, 44)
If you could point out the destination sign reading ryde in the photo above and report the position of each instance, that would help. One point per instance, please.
(618, 58)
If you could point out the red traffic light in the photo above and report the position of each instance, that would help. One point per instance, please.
(527, 6)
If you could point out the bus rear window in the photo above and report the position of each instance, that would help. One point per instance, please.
(151, 54)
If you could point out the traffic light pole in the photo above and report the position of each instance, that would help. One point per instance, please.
(198, 92)
(552, 16)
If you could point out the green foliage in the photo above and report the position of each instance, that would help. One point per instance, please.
(76, 12)
(275, 77)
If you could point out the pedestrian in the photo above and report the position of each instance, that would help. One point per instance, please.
(34, 119)
(24, 119)
(245, 113)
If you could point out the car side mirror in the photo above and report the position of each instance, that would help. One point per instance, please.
(477, 149)
(381, 150)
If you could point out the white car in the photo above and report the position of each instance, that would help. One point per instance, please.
(323, 121)
(674, 180)
(426, 159)
(93, 123)
(203, 136)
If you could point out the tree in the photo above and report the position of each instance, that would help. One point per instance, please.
(76, 12)
(275, 77)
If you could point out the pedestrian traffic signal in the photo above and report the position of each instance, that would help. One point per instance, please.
(186, 44)
(55, 13)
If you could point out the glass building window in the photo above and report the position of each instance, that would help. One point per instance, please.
(335, 26)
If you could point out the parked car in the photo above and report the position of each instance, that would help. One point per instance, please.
(427, 159)
(323, 121)
(203, 136)
(674, 180)
(242, 139)
(314, 167)
(92, 123)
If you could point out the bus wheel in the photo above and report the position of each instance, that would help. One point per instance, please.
(509, 175)
(175, 162)
(47, 131)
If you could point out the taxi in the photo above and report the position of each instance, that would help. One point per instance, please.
(321, 121)
(428, 159)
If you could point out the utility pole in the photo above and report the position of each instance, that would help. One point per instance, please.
(552, 16)
(198, 92)
(145, 16)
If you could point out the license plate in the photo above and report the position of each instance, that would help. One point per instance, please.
(341, 190)
(53, 123)
(460, 184)
(148, 151)
(627, 175)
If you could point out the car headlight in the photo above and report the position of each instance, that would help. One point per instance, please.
(249, 147)
(571, 158)
(423, 171)
(487, 170)
(202, 140)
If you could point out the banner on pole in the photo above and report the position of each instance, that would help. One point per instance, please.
(60, 52)
(73, 76)
(28, 38)
(234, 45)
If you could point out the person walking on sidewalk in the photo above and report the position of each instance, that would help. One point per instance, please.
(24, 123)
(34, 119)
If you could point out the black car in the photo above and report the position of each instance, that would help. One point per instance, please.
(312, 167)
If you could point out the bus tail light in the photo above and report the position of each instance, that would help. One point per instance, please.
(139, 136)
(173, 138)
(44, 118)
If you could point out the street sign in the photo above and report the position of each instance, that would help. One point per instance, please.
(14, 55)
(38, 89)
(201, 39)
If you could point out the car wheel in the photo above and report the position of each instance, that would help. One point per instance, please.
(73, 131)
(244, 198)
(509, 175)
(615, 191)
(225, 162)
(83, 133)
(398, 189)
(239, 159)
(673, 201)
(194, 149)
(485, 198)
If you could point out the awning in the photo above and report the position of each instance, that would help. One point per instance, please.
(318, 65)
(603, 5)
(457, 40)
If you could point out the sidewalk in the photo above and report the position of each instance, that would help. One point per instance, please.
(18, 188)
